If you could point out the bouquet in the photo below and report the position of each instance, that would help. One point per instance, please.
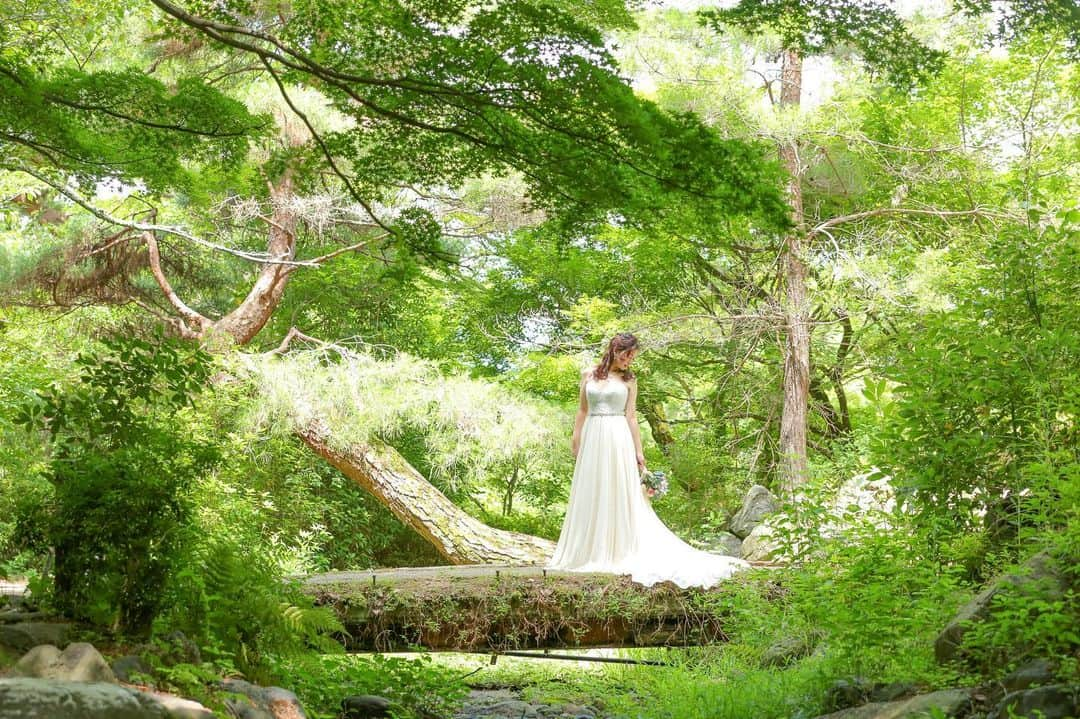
(655, 483)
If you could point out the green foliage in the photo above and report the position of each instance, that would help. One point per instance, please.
(122, 471)
(813, 27)
(231, 599)
(982, 438)
(417, 687)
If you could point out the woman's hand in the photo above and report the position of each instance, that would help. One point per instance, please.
(574, 447)
(640, 462)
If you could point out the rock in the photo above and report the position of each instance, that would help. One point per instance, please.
(949, 702)
(757, 504)
(279, 703)
(124, 667)
(32, 698)
(179, 708)
(1038, 671)
(79, 662)
(892, 691)
(11, 616)
(24, 636)
(1057, 701)
(762, 544)
(724, 543)
(844, 693)
(364, 706)
(244, 709)
(512, 708)
(182, 650)
(786, 650)
(1039, 569)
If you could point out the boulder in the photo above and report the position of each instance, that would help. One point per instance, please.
(365, 706)
(277, 702)
(947, 702)
(1056, 701)
(177, 707)
(24, 636)
(79, 662)
(1038, 571)
(763, 543)
(125, 667)
(788, 649)
(33, 698)
(1037, 671)
(758, 503)
(723, 543)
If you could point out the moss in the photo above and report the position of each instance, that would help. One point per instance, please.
(474, 613)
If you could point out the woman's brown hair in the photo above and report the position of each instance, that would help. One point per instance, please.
(619, 343)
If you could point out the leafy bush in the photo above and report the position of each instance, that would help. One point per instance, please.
(417, 687)
(122, 465)
(982, 435)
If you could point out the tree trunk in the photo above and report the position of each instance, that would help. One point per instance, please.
(244, 322)
(793, 471)
(379, 469)
(658, 425)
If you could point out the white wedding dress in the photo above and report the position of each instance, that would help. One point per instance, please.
(610, 525)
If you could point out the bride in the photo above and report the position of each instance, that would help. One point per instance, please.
(610, 526)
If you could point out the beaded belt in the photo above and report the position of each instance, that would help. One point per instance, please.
(607, 414)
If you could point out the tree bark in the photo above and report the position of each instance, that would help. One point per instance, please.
(462, 539)
(658, 425)
(793, 419)
(244, 322)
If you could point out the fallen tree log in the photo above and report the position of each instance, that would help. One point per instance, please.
(456, 535)
(502, 608)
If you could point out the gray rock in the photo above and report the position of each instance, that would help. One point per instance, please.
(1057, 701)
(182, 650)
(1039, 671)
(179, 708)
(1038, 569)
(844, 693)
(24, 636)
(79, 662)
(788, 649)
(511, 708)
(11, 616)
(724, 543)
(758, 503)
(124, 667)
(950, 702)
(245, 710)
(893, 691)
(31, 698)
(279, 703)
(365, 706)
(761, 545)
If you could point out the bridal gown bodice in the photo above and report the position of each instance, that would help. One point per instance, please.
(607, 397)
(610, 525)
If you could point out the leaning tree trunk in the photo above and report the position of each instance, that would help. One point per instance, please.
(462, 539)
(240, 325)
(793, 471)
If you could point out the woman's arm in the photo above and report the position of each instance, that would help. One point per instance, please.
(582, 413)
(631, 418)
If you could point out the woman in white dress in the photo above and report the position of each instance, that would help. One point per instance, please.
(610, 525)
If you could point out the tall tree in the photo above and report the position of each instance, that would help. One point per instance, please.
(422, 94)
(805, 28)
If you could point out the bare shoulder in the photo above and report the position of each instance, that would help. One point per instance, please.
(586, 374)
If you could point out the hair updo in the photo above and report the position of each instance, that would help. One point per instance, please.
(619, 343)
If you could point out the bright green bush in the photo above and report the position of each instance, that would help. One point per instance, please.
(122, 465)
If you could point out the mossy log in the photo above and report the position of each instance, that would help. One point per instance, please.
(481, 608)
(456, 535)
